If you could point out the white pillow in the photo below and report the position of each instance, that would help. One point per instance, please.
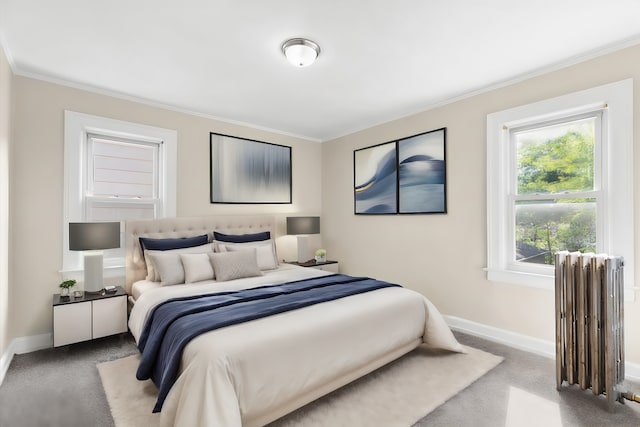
(151, 269)
(265, 251)
(235, 265)
(168, 266)
(197, 267)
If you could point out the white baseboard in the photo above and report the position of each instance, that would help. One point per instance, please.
(521, 342)
(22, 345)
(5, 361)
(32, 343)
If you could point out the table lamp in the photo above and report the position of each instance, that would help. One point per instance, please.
(92, 238)
(302, 226)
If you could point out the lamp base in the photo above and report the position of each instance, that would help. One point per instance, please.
(93, 282)
(303, 248)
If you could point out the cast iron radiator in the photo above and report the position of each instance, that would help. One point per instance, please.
(590, 322)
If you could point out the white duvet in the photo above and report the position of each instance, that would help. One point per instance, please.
(253, 373)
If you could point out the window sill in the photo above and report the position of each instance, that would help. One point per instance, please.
(539, 281)
(532, 280)
(109, 271)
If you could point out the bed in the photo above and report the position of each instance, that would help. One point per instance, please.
(252, 373)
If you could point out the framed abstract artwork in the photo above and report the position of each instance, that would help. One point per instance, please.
(375, 179)
(406, 176)
(422, 177)
(246, 171)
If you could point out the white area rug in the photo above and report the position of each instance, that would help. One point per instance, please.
(398, 394)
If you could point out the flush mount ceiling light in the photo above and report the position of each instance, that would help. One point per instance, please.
(300, 52)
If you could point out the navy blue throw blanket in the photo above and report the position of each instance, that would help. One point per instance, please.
(175, 322)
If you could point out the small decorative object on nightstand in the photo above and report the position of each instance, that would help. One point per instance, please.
(321, 255)
(65, 286)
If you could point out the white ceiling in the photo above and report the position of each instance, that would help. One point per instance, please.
(380, 60)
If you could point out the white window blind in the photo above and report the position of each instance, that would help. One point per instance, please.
(122, 179)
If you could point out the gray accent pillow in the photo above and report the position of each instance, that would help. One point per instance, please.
(235, 265)
(197, 267)
(168, 266)
(265, 251)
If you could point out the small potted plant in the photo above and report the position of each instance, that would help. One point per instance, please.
(65, 286)
(321, 255)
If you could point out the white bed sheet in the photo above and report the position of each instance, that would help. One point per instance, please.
(139, 287)
(253, 373)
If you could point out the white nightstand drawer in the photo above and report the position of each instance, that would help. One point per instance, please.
(109, 316)
(333, 267)
(72, 323)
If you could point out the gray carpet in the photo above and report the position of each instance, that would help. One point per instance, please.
(61, 387)
(485, 403)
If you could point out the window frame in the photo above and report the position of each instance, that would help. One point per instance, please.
(616, 192)
(77, 128)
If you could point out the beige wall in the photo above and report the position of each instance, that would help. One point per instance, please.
(6, 79)
(443, 256)
(37, 184)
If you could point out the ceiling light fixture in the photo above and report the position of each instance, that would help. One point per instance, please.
(301, 52)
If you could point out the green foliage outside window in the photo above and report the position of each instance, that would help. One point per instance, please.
(555, 161)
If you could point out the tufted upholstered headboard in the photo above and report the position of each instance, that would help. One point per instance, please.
(184, 227)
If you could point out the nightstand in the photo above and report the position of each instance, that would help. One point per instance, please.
(88, 317)
(332, 266)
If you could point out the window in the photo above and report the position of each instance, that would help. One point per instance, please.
(559, 178)
(122, 179)
(115, 171)
(556, 189)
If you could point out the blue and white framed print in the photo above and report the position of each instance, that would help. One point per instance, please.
(406, 176)
(422, 173)
(375, 179)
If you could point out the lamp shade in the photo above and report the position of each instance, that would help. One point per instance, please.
(303, 224)
(89, 236)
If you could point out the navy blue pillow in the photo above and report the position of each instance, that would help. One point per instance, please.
(177, 243)
(241, 238)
